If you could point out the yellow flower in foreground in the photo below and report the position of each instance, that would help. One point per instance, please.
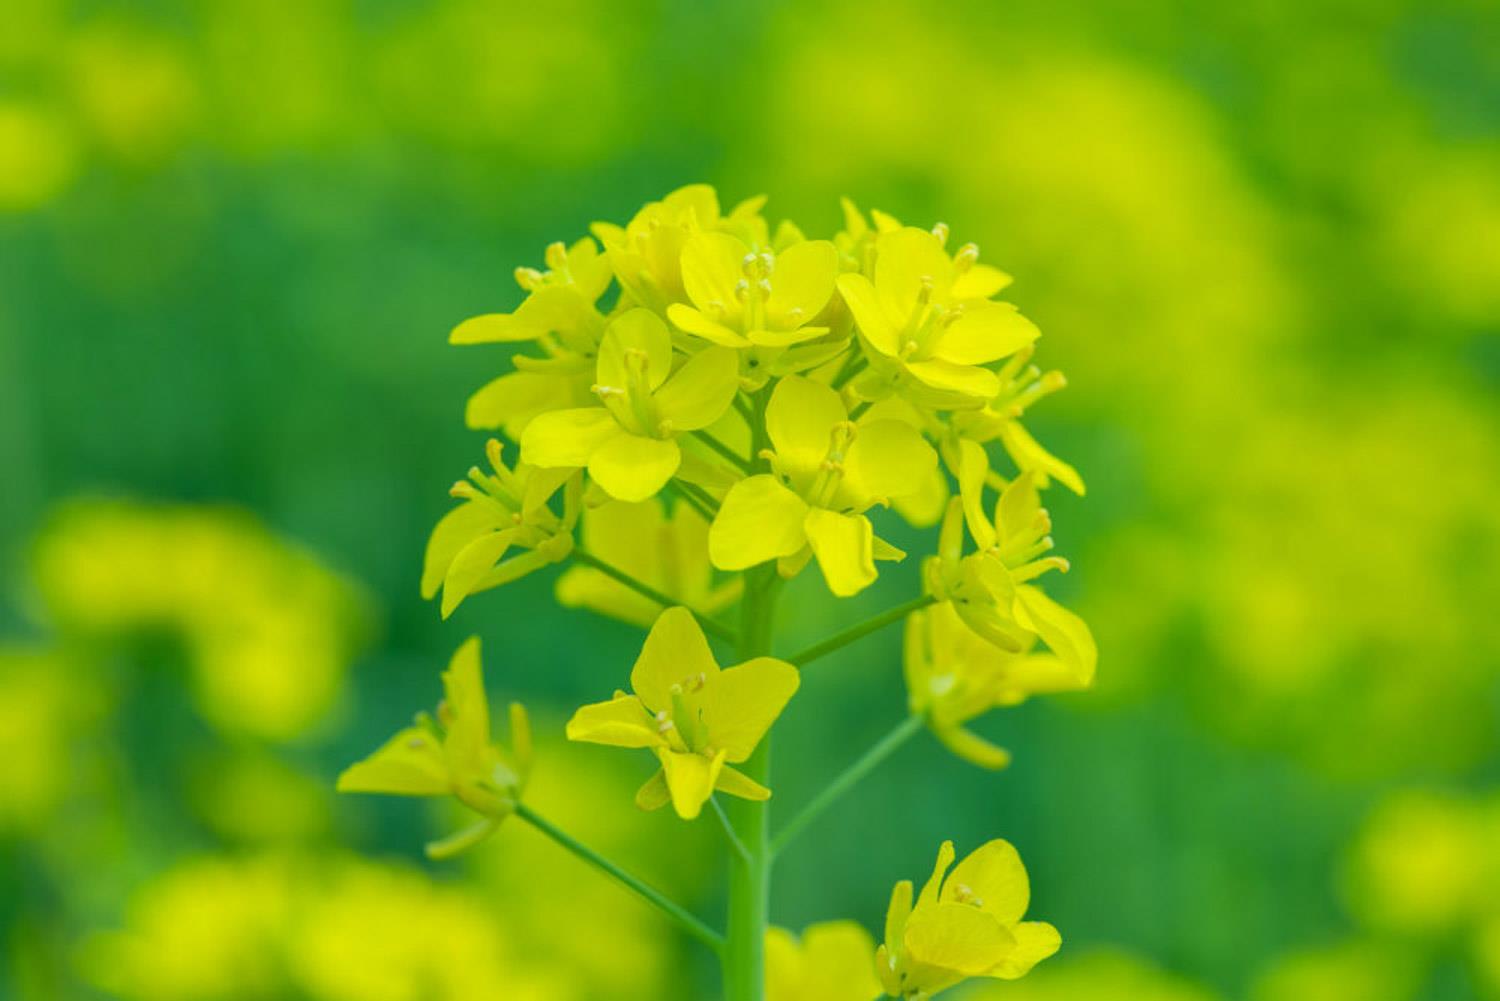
(954, 675)
(501, 511)
(559, 301)
(668, 553)
(1021, 385)
(827, 471)
(696, 719)
(967, 925)
(743, 297)
(453, 755)
(629, 444)
(928, 323)
(831, 963)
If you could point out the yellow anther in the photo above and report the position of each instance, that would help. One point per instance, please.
(941, 232)
(493, 451)
(967, 257)
(557, 256)
(528, 278)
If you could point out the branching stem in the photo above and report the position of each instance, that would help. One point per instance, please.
(645, 590)
(863, 629)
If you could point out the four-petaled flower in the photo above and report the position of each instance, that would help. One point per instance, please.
(954, 675)
(928, 321)
(826, 472)
(453, 755)
(629, 444)
(967, 925)
(697, 719)
(502, 510)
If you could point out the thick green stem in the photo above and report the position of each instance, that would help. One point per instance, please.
(865, 628)
(650, 894)
(645, 590)
(750, 873)
(846, 781)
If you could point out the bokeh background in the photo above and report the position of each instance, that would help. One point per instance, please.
(1262, 240)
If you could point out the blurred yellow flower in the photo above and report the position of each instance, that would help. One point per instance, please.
(629, 444)
(953, 675)
(38, 156)
(453, 755)
(697, 719)
(502, 510)
(834, 961)
(43, 706)
(966, 923)
(827, 472)
(668, 553)
(1098, 976)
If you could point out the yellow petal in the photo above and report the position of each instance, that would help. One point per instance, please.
(994, 878)
(1035, 941)
(972, 747)
(984, 334)
(980, 282)
(566, 437)
(869, 315)
(934, 882)
(492, 328)
(520, 739)
(1064, 632)
(889, 458)
(897, 913)
(958, 938)
(691, 321)
(654, 795)
(799, 419)
(802, 282)
(510, 401)
(785, 969)
(453, 532)
(701, 390)
(965, 380)
(632, 468)
(638, 330)
(1028, 453)
(675, 651)
(844, 547)
(471, 565)
(736, 783)
(839, 963)
(467, 741)
(740, 703)
(712, 265)
(409, 764)
(621, 722)
(973, 471)
(759, 520)
(908, 258)
(923, 508)
(690, 779)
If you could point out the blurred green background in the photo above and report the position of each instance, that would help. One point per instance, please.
(1262, 240)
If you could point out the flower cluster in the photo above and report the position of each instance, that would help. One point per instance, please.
(705, 407)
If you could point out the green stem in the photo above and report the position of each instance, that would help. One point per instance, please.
(650, 894)
(843, 639)
(645, 590)
(859, 410)
(724, 450)
(874, 756)
(734, 839)
(693, 501)
(750, 874)
(853, 365)
(707, 505)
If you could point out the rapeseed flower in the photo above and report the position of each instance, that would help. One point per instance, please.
(503, 510)
(827, 471)
(832, 962)
(953, 675)
(629, 443)
(453, 755)
(927, 323)
(1021, 385)
(965, 925)
(697, 719)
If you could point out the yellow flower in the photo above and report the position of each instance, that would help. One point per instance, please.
(696, 719)
(628, 444)
(647, 253)
(668, 553)
(927, 322)
(831, 963)
(560, 315)
(967, 925)
(743, 296)
(453, 755)
(827, 471)
(953, 675)
(505, 510)
(1021, 385)
(989, 589)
